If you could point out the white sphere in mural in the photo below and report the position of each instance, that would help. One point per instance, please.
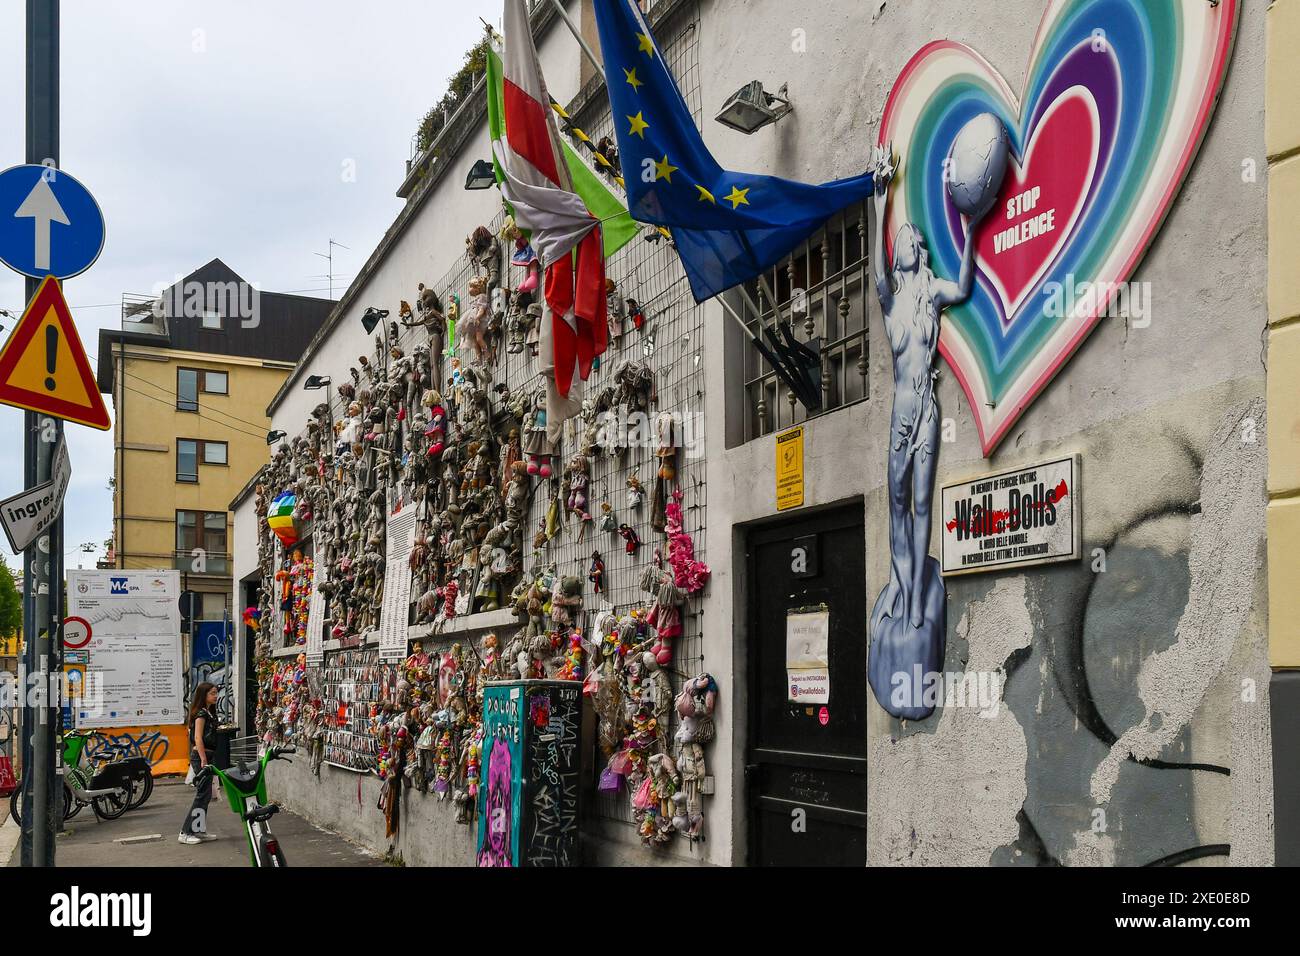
(976, 165)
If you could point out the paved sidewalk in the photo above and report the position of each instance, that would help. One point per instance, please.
(88, 841)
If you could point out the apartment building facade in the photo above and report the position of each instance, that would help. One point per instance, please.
(190, 373)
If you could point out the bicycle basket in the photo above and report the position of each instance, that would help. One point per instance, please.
(243, 749)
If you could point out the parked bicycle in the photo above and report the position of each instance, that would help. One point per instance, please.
(111, 753)
(246, 791)
(108, 789)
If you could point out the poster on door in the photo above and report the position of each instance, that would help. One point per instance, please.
(807, 655)
(133, 677)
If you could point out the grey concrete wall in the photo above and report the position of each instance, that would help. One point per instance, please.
(1161, 658)
(345, 802)
(1133, 723)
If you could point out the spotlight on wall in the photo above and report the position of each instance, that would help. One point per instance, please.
(274, 436)
(752, 108)
(372, 318)
(481, 176)
(316, 381)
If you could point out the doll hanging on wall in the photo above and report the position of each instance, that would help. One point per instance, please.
(695, 709)
(537, 445)
(474, 324)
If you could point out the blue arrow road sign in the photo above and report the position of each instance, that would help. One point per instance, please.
(50, 224)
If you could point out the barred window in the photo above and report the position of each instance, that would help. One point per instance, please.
(822, 289)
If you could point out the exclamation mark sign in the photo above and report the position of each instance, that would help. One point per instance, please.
(51, 354)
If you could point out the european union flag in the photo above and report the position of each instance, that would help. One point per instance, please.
(728, 226)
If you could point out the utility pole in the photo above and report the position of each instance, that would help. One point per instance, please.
(43, 561)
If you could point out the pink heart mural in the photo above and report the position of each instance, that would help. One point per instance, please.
(1118, 96)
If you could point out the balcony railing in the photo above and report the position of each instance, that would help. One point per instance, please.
(199, 561)
(143, 314)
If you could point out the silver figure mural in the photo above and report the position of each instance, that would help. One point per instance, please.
(908, 627)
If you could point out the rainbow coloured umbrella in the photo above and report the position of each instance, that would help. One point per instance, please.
(280, 519)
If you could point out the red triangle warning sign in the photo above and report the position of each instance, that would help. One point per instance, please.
(43, 366)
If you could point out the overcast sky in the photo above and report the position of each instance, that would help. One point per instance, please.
(223, 129)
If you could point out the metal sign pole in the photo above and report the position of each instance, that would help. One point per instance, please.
(42, 561)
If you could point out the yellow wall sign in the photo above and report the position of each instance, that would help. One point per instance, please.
(789, 469)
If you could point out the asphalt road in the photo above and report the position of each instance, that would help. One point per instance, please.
(89, 842)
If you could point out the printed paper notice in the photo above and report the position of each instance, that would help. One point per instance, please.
(807, 656)
(395, 609)
(316, 618)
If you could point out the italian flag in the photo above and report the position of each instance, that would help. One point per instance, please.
(603, 199)
(536, 181)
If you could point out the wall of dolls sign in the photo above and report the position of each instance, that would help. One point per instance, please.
(447, 416)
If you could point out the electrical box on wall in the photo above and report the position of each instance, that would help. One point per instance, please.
(528, 800)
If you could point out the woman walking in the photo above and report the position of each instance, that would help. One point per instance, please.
(203, 750)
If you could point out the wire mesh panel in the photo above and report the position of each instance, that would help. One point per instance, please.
(663, 332)
(672, 341)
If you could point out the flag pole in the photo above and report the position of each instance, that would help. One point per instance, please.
(591, 55)
(726, 306)
(773, 359)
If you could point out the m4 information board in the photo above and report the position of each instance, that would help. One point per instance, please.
(134, 656)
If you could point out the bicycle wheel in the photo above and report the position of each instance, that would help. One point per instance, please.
(141, 790)
(15, 804)
(113, 805)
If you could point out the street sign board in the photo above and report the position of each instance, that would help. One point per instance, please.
(28, 514)
(50, 224)
(1014, 519)
(76, 632)
(43, 366)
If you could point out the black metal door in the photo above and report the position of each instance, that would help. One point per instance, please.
(806, 765)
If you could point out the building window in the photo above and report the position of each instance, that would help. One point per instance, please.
(201, 529)
(191, 381)
(214, 452)
(186, 535)
(214, 532)
(187, 389)
(823, 291)
(191, 452)
(211, 321)
(187, 460)
(208, 606)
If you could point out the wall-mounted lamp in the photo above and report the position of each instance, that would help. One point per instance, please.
(316, 381)
(481, 176)
(274, 436)
(372, 318)
(752, 108)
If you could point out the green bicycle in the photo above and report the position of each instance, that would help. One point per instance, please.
(246, 791)
(110, 789)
